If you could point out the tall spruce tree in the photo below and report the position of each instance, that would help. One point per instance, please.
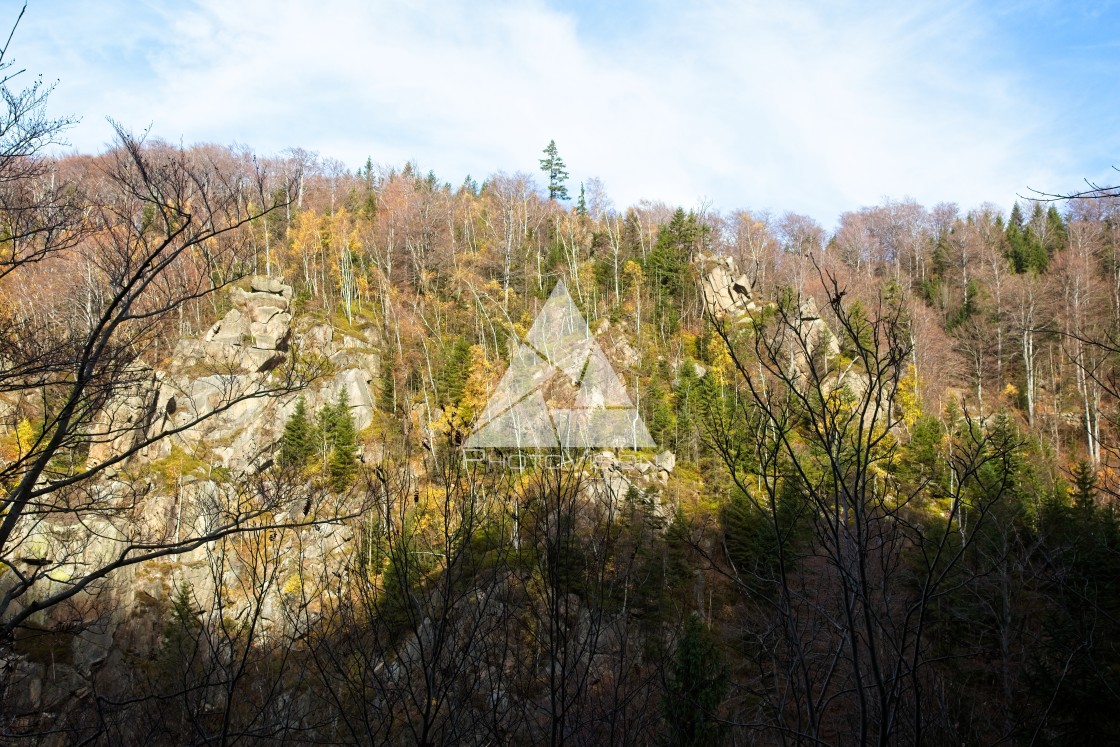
(1056, 233)
(298, 442)
(340, 441)
(455, 372)
(1025, 249)
(696, 688)
(668, 263)
(557, 172)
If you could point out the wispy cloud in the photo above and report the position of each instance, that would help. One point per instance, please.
(813, 107)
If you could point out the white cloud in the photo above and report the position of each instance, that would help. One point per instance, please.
(789, 106)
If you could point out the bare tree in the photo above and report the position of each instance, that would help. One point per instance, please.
(851, 562)
(163, 229)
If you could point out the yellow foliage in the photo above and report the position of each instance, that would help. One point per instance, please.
(722, 365)
(476, 391)
(632, 271)
(293, 585)
(908, 398)
(16, 445)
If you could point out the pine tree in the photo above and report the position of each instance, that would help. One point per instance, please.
(687, 384)
(1016, 242)
(298, 442)
(581, 203)
(1084, 485)
(1038, 257)
(1024, 246)
(340, 441)
(668, 262)
(557, 172)
(387, 391)
(455, 372)
(697, 686)
(1056, 232)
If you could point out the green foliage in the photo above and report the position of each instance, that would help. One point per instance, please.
(456, 369)
(1078, 661)
(668, 264)
(696, 688)
(387, 391)
(969, 306)
(298, 442)
(557, 172)
(1057, 234)
(660, 414)
(179, 647)
(340, 442)
(758, 535)
(686, 407)
(922, 457)
(1024, 246)
(333, 440)
(1084, 486)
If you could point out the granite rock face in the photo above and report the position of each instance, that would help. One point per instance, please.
(251, 333)
(223, 394)
(726, 290)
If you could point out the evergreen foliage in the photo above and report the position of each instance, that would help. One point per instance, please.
(298, 442)
(340, 442)
(696, 688)
(333, 438)
(1025, 248)
(456, 371)
(553, 165)
(387, 389)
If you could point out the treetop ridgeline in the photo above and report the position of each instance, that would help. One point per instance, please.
(234, 504)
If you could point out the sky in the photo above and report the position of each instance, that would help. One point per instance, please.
(812, 107)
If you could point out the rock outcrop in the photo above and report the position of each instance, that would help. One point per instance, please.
(220, 393)
(253, 335)
(726, 290)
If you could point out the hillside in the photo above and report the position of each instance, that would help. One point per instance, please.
(239, 499)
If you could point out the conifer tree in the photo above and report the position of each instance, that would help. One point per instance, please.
(1056, 233)
(668, 263)
(1024, 246)
(298, 443)
(455, 372)
(581, 203)
(1084, 485)
(557, 172)
(340, 441)
(697, 686)
(387, 392)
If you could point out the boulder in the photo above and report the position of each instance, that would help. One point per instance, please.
(262, 314)
(124, 419)
(250, 301)
(356, 383)
(725, 290)
(273, 334)
(266, 284)
(227, 330)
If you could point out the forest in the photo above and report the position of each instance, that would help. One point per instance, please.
(235, 506)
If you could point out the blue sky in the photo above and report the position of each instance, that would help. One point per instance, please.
(816, 107)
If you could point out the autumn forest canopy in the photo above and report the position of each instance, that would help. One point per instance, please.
(236, 507)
